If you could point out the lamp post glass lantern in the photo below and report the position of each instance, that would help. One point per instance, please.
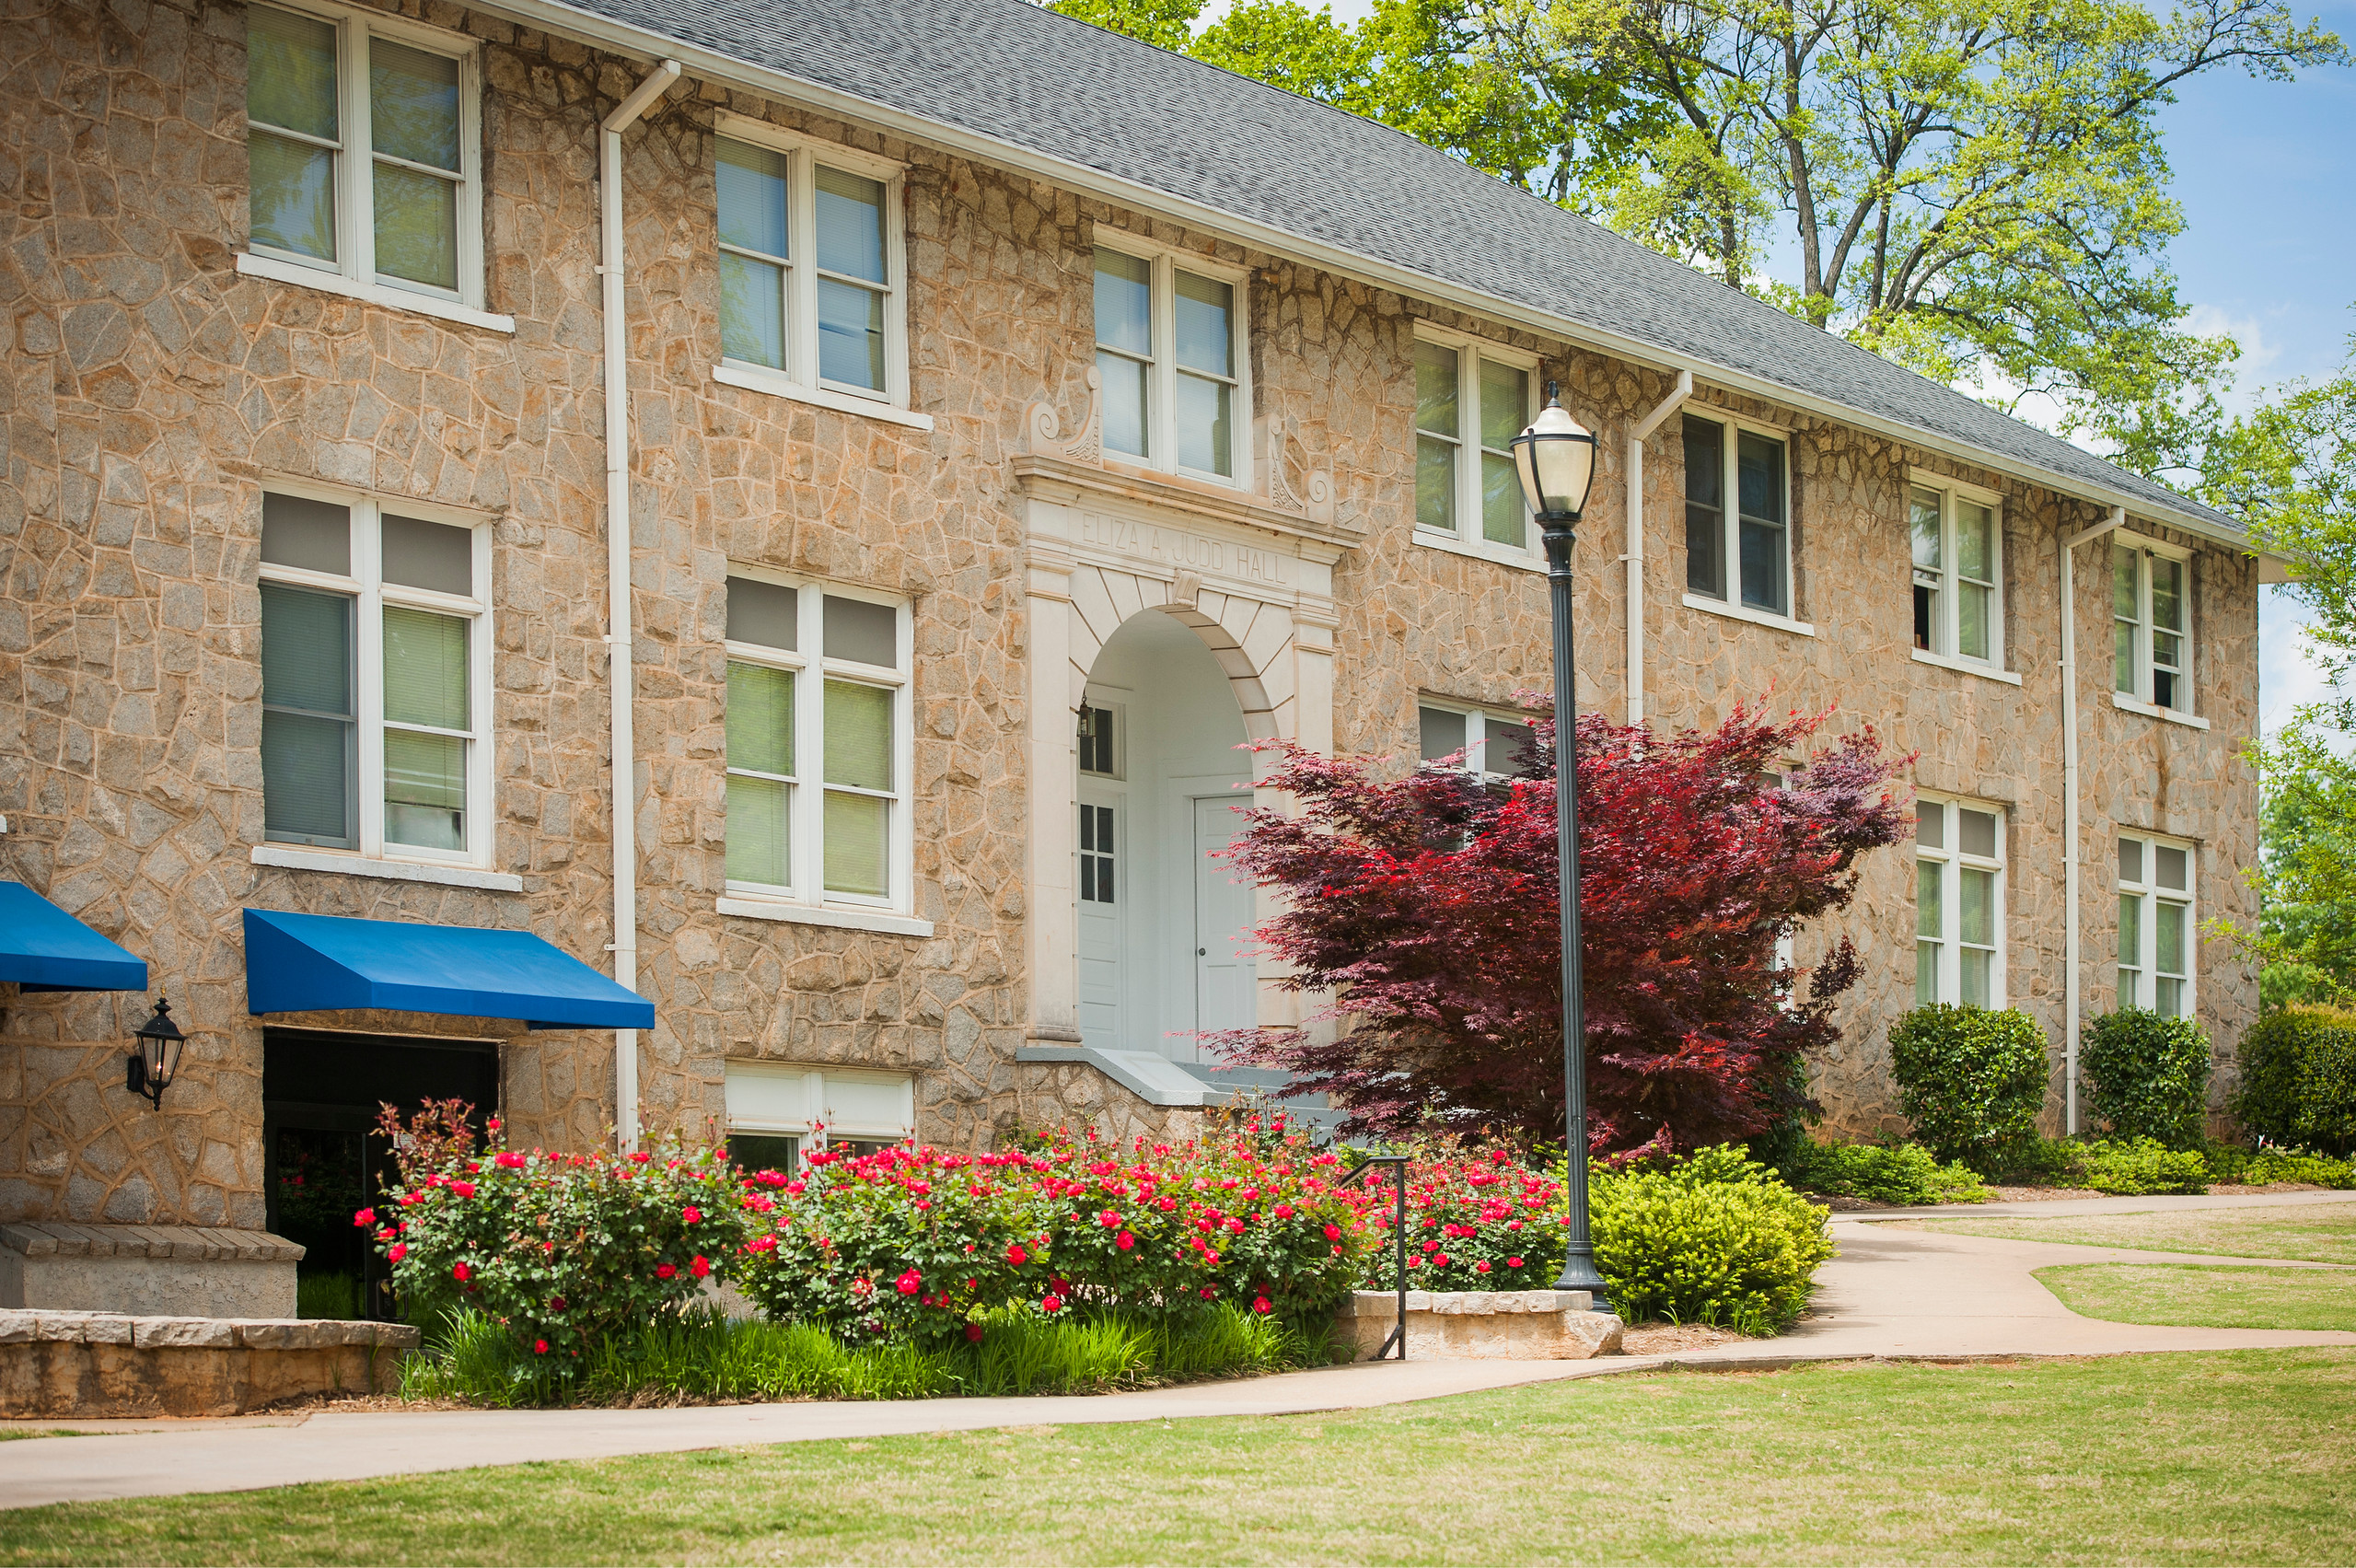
(1556, 460)
(154, 1062)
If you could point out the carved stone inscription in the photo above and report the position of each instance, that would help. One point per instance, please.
(1183, 551)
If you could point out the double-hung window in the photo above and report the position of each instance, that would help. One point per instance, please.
(819, 745)
(780, 1112)
(1487, 744)
(2155, 929)
(811, 265)
(1958, 903)
(1472, 400)
(1959, 575)
(376, 676)
(2151, 621)
(1737, 517)
(363, 149)
(1171, 364)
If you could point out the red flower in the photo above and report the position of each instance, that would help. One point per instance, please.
(911, 1283)
(1208, 1293)
(640, 1157)
(461, 1273)
(556, 1304)
(761, 1244)
(701, 1267)
(1260, 1303)
(1051, 1304)
(1512, 1262)
(1284, 1211)
(365, 1219)
(399, 1250)
(463, 1189)
(1333, 1232)
(1441, 1258)
(1124, 1241)
(692, 1215)
(973, 1332)
(664, 1270)
(509, 1160)
(540, 1347)
(1109, 1219)
(493, 1124)
(1016, 1256)
(1482, 1267)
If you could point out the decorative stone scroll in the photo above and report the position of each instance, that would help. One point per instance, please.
(1047, 436)
(1315, 499)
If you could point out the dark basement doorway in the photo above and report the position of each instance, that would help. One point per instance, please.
(323, 1159)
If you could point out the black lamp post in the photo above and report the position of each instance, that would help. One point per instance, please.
(154, 1062)
(1555, 457)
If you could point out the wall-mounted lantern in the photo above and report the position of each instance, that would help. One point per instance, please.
(154, 1062)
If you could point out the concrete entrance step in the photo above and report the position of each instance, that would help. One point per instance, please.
(1157, 1080)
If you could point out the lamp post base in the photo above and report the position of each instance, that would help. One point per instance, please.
(1579, 1274)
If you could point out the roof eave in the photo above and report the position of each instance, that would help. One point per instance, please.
(622, 38)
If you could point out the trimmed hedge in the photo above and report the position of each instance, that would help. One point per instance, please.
(1716, 1239)
(2298, 1079)
(2147, 1076)
(1972, 1080)
(1905, 1174)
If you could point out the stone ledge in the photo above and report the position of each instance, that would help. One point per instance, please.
(202, 1333)
(108, 1363)
(59, 1239)
(1507, 1325)
(1385, 1302)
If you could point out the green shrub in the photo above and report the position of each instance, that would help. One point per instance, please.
(2047, 1162)
(1971, 1079)
(2260, 1168)
(2134, 1167)
(2328, 1093)
(1714, 1238)
(1905, 1174)
(2147, 1076)
(2298, 1079)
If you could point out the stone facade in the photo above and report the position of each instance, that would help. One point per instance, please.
(104, 1364)
(152, 389)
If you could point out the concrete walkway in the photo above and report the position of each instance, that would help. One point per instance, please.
(1895, 1291)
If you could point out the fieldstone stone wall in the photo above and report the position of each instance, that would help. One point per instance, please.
(105, 1363)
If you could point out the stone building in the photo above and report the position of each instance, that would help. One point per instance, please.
(1010, 421)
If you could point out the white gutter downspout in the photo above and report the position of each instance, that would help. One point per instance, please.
(1635, 556)
(2070, 809)
(617, 616)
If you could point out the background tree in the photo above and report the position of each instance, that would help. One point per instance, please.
(1427, 907)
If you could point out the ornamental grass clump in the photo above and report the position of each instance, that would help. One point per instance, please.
(560, 1251)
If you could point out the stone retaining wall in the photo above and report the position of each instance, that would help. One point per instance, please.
(103, 1364)
(1484, 1325)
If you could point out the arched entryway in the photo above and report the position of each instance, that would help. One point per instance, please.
(1162, 920)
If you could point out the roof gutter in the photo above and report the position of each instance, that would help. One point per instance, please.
(646, 44)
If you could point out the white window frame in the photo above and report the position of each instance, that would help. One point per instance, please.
(800, 377)
(2141, 700)
(1469, 538)
(806, 818)
(2150, 895)
(786, 1100)
(1161, 392)
(1730, 524)
(1944, 635)
(370, 593)
(1118, 713)
(1950, 857)
(1481, 727)
(355, 163)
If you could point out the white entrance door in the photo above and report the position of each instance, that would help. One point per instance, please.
(1225, 995)
(1106, 889)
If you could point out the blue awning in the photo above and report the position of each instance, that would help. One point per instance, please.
(307, 963)
(44, 949)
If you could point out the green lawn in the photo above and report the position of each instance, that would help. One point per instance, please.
(2320, 1233)
(2206, 1296)
(2241, 1457)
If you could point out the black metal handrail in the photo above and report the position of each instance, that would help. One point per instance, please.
(1399, 1240)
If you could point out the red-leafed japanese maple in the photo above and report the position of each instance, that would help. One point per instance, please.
(1426, 907)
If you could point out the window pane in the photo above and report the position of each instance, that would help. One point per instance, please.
(1977, 894)
(417, 226)
(1978, 972)
(761, 718)
(1436, 392)
(765, 1151)
(1975, 541)
(1977, 832)
(424, 790)
(2167, 594)
(2131, 860)
(1123, 391)
(1440, 733)
(2131, 931)
(2167, 939)
(1205, 332)
(752, 310)
(313, 535)
(851, 225)
(1926, 972)
(2122, 584)
(1435, 485)
(291, 194)
(1762, 549)
(1705, 536)
(1922, 522)
(862, 630)
(1705, 462)
(1503, 515)
(858, 736)
(1124, 305)
(2122, 662)
(752, 198)
(850, 335)
(2170, 867)
(1972, 607)
(1504, 407)
(425, 674)
(856, 829)
(766, 613)
(306, 777)
(1931, 824)
(1759, 471)
(306, 650)
(428, 555)
(757, 832)
(290, 71)
(2167, 998)
(413, 104)
(1929, 895)
(1205, 436)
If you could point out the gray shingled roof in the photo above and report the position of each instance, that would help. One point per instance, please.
(1012, 72)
